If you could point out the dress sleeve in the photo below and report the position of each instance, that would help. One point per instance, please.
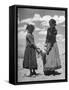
(55, 32)
(48, 35)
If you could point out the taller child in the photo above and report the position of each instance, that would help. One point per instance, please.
(52, 58)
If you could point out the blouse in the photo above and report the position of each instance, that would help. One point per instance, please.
(30, 40)
(51, 35)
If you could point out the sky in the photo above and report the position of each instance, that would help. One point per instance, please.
(40, 19)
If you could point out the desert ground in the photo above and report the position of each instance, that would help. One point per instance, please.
(23, 74)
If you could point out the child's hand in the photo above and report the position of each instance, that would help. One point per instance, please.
(38, 50)
(45, 45)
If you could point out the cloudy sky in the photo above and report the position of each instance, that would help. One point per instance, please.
(40, 18)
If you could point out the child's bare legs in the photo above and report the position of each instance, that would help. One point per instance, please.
(34, 73)
(31, 72)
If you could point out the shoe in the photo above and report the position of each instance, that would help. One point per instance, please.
(47, 73)
(31, 74)
(56, 73)
(34, 73)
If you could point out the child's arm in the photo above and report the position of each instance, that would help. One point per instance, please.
(54, 32)
(48, 47)
(32, 44)
(38, 50)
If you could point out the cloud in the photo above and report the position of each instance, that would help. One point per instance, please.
(18, 21)
(22, 28)
(44, 20)
(40, 45)
(27, 21)
(63, 40)
(39, 29)
(42, 39)
(44, 23)
(62, 25)
(59, 19)
(43, 32)
(60, 38)
(22, 35)
(36, 17)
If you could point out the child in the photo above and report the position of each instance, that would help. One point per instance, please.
(52, 58)
(30, 61)
(51, 35)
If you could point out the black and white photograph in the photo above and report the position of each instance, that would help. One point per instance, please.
(34, 45)
(41, 44)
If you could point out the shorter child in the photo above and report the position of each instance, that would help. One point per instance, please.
(30, 61)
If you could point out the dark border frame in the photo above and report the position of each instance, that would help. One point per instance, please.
(16, 43)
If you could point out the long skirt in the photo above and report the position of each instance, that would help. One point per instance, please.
(53, 60)
(30, 61)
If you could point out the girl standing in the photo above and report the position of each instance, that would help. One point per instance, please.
(52, 58)
(30, 61)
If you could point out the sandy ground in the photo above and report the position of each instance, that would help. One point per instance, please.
(23, 73)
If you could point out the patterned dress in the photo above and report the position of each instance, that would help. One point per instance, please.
(52, 59)
(30, 61)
